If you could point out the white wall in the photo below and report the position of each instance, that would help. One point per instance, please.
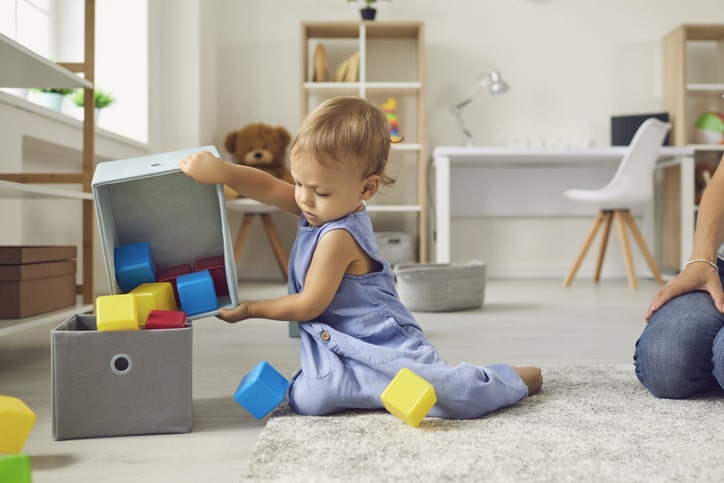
(217, 65)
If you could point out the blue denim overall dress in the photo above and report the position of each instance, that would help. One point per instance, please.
(351, 352)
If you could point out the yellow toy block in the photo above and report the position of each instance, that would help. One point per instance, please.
(153, 296)
(116, 312)
(16, 421)
(409, 397)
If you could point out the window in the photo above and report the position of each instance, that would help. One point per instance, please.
(53, 29)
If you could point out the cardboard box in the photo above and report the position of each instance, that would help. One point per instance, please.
(149, 199)
(119, 383)
(36, 279)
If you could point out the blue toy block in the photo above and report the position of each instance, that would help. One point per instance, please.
(196, 292)
(134, 265)
(261, 390)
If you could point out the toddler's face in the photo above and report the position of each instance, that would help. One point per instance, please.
(325, 193)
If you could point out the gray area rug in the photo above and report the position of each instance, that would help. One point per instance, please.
(589, 423)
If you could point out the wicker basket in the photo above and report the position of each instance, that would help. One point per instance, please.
(438, 287)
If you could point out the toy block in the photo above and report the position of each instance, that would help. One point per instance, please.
(134, 265)
(16, 421)
(261, 390)
(150, 296)
(15, 468)
(166, 319)
(116, 312)
(169, 274)
(215, 265)
(409, 397)
(197, 293)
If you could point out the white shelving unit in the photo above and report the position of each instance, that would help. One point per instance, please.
(391, 65)
(693, 83)
(23, 68)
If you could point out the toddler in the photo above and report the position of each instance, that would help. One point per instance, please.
(356, 334)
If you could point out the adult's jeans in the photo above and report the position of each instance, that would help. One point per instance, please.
(681, 350)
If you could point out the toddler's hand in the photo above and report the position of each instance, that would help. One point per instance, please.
(532, 378)
(204, 167)
(237, 314)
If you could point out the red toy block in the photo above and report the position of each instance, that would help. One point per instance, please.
(169, 274)
(215, 265)
(166, 319)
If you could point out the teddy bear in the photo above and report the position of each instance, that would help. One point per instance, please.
(260, 146)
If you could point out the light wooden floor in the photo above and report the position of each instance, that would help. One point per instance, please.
(521, 322)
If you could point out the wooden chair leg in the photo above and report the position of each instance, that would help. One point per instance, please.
(626, 247)
(608, 217)
(242, 234)
(586, 245)
(642, 246)
(276, 243)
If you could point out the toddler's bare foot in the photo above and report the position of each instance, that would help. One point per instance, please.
(532, 378)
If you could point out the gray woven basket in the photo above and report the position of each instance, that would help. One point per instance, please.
(441, 287)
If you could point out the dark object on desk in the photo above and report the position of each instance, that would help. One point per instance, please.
(623, 128)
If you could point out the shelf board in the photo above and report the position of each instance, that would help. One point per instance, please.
(705, 89)
(706, 147)
(349, 86)
(11, 326)
(33, 70)
(406, 147)
(393, 208)
(393, 86)
(10, 189)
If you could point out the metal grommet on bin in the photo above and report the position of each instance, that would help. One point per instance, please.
(121, 364)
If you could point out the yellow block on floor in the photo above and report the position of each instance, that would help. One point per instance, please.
(16, 421)
(116, 312)
(409, 397)
(153, 296)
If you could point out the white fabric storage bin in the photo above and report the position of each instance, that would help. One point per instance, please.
(396, 246)
(441, 287)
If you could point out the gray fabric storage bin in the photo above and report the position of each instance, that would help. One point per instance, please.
(441, 287)
(119, 383)
(149, 199)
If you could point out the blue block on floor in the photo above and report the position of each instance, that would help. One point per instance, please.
(196, 292)
(134, 265)
(261, 390)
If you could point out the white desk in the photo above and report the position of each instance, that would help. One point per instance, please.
(537, 178)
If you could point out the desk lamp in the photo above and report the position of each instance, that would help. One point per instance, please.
(495, 85)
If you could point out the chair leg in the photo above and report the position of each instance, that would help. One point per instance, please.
(241, 235)
(586, 245)
(626, 247)
(276, 243)
(642, 246)
(608, 217)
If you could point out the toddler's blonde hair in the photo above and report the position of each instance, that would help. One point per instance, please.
(347, 128)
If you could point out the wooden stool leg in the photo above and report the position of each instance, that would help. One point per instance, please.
(626, 248)
(586, 245)
(271, 233)
(241, 235)
(608, 217)
(642, 246)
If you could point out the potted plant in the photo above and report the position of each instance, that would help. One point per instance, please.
(51, 98)
(369, 12)
(102, 100)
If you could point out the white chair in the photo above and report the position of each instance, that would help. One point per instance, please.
(251, 209)
(632, 184)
